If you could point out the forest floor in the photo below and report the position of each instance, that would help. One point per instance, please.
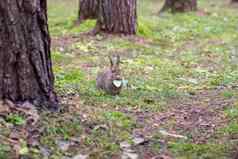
(180, 99)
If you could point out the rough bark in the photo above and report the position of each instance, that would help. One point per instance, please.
(113, 16)
(88, 9)
(179, 5)
(117, 16)
(25, 62)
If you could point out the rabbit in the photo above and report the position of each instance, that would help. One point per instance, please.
(110, 80)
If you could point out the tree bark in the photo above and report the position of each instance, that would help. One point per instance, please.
(167, 5)
(179, 5)
(25, 62)
(113, 16)
(117, 16)
(88, 9)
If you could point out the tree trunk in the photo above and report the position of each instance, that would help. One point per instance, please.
(117, 16)
(179, 5)
(167, 5)
(88, 9)
(113, 16)
(25, 62)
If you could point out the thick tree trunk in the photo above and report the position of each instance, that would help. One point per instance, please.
(88, 9)
(25, 62)
(118, 16)
(113, 16)
(179, 5)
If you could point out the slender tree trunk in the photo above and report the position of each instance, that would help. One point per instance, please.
(25, 61)
(180, 5)
(113, 16)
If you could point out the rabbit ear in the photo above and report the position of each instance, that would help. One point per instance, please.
(110, 59)
(114, 60)
(118, 59)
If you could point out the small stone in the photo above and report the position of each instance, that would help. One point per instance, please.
(125, 145)
(45, 152)
(63, 145)
(127, 155)
(80, 156)
(139, 140)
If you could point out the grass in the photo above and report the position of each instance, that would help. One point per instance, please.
(232, 114)
(200, 151)
(4, 151)
(174, 57)
(15, 119)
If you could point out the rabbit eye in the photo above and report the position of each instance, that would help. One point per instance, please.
(114, 70)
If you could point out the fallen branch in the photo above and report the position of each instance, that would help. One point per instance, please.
(165, 133)
(7, 140)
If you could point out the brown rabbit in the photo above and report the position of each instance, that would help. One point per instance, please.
(110, 80)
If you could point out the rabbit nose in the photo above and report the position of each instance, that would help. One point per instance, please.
(118, 76)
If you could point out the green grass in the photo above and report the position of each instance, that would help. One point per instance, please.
(15, 119)
(4, 149)
(178, 55)
(174, 56)
(199, 151)
(119, 119)
(231, 113)
(68, 82)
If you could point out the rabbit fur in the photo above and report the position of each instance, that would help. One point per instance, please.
(106, 78)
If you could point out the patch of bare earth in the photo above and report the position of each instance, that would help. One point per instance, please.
(63, 42)
(68, 41)
(196, 117)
